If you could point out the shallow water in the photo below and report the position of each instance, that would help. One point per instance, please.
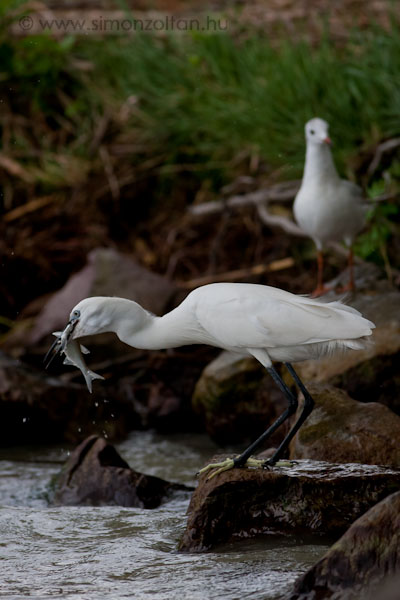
(85, 553)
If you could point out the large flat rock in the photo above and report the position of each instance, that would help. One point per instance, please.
(308, 497)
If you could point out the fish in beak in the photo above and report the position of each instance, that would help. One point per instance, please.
(72, 349)
(61, 342)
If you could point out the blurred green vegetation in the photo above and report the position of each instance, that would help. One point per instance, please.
(193, 110)
(207, 98)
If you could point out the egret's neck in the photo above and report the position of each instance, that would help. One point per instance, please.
(140, 329)
(319, 165)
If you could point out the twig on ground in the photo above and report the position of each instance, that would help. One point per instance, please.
(277, 220)
(113, 182)
(14, 168)
(278, 193)
(29, 207)
(276, 265)
(381, 149)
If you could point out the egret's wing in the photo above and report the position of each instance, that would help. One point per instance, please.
(307, 321)
(264, 317)
(231, 323)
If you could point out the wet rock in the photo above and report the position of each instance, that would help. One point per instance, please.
(341, 429)
(309, 497)
(96, 475)
(237, 399)
(36, 408)
(107, 273)
(363, 563)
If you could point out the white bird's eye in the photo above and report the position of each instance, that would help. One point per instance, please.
(76, 313)
(312, 131)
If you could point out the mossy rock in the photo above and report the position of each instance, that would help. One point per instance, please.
(236, 399)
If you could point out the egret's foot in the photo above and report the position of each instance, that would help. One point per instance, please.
(225, 465)
(231, 463)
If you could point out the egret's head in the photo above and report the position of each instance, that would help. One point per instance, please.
(99, 315)
(317, 132)
(89, 317)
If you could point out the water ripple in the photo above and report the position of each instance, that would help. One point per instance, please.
(107, 553)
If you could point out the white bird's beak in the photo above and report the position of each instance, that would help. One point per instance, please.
(61, 341)
(68, 331)
(327, 140)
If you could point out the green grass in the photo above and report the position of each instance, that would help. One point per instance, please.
(207, 98)
(204, 101)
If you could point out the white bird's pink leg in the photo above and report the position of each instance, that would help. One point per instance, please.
(321, 289)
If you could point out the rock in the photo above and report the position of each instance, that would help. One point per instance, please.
(341, 429)
(237, 399)
(107, 273)
(309, 497)
(387, 590)
(374, 380)
(36, 408)
(96, 475)
(362, 562)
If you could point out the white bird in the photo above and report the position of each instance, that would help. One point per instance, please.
(327, 208)
(253, 320)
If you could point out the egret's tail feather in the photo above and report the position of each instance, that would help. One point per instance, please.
(361, 344)
(342, 346)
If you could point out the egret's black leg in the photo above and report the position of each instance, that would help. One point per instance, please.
(291, 409)
(307, 408)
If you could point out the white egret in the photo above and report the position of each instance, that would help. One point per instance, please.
(253, 320)
(327, 208)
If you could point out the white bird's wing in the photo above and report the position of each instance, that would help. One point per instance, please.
(352, 188)
(298, 323)
(232, 323)
(263, 317)
(355, 194)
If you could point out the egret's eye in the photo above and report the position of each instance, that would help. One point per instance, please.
(76, 313)
(312, 131)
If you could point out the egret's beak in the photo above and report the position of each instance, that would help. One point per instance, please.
(328, 141)
(59, 345)
(52, 352)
